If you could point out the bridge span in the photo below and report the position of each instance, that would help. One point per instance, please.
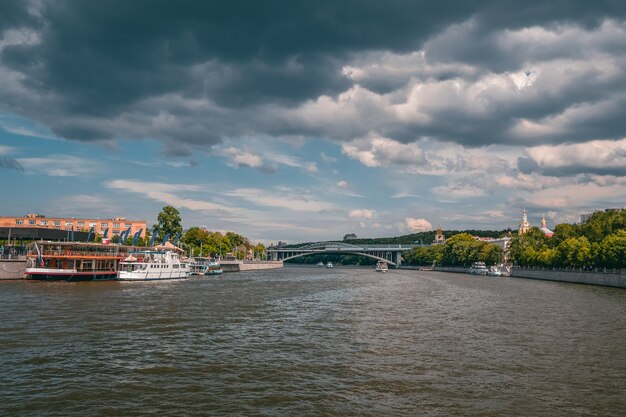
(392, 253)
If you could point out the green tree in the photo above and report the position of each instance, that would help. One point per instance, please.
(613, 250)
(169, 222)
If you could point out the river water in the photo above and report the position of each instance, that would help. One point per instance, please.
(313, 342)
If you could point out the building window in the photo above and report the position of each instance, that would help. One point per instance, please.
(93, 224)
(127, 225)
(32, 222)
(104, 225)
(116, 232)
(19, 222)
(57, 223)
(68, 223)
(44, 222)
(80, 224)
(117, 225)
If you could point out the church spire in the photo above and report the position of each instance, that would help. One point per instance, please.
(524, 226)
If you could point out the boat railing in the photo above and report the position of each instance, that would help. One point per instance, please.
(64, 252)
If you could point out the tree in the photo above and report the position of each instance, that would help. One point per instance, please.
(169, 222)
(613, 250)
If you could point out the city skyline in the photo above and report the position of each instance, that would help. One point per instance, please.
(308, 121)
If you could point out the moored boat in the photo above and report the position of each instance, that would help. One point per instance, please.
(74, 261)
(479, 268)
(214, 268)
(329, 265)
(153, 265)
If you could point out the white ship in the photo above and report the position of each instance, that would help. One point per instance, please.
(329, 265)
(152, 266)
(382, 266)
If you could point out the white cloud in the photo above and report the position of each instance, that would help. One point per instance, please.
(458, 191)
(328, 159)
(362, 214)
(343, 184)
(264, 197)
(593, 154)
(62, 166)
(165, 193)
(417, 225)
(242, 158)
(377, 151)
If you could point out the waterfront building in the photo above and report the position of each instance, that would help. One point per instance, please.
(115, 225)
(524, 225)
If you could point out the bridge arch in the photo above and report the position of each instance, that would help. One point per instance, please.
(378, 258)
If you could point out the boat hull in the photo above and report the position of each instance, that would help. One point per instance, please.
(150, 277)
(51, 274)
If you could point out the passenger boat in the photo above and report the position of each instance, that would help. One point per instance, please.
(382, 266)
(329, 265)
(320, 264)
(214, 268)
(199, 266)
(479, 268)
(74, 261)
(153, 265)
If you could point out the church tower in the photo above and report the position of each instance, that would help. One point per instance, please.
(524, 226)
(439, 237)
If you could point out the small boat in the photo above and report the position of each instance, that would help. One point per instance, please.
(199, 266)
(479, 268)
(213, 268)
(382, 266)
(329, 265)
(153, 265)
(320, 264)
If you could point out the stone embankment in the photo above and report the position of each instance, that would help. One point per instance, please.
(610, 278)
(237, 266)
(12, 268)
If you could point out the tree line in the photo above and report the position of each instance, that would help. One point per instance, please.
(462, 249)
(598, 242)
(197, 241)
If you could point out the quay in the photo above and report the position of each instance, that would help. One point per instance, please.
(610, 278)
(13, 268)
(241, 266)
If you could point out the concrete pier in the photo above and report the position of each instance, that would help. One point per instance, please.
(12, 268)
(237, 266)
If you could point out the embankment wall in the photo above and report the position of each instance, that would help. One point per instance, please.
(237, 266)
(12, 268)
(610, 279)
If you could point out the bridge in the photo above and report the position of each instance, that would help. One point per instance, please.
(392, 254)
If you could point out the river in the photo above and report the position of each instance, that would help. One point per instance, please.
(313, 342)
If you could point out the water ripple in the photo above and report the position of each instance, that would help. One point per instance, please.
(307, 342)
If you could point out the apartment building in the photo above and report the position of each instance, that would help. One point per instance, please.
(115, 226)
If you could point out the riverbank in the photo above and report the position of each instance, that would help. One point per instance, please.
(240, 266)
(609, 278)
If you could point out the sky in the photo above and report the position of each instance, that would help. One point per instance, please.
(307, 120)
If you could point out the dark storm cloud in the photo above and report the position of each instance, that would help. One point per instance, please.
(14, 14)
(191, 73)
